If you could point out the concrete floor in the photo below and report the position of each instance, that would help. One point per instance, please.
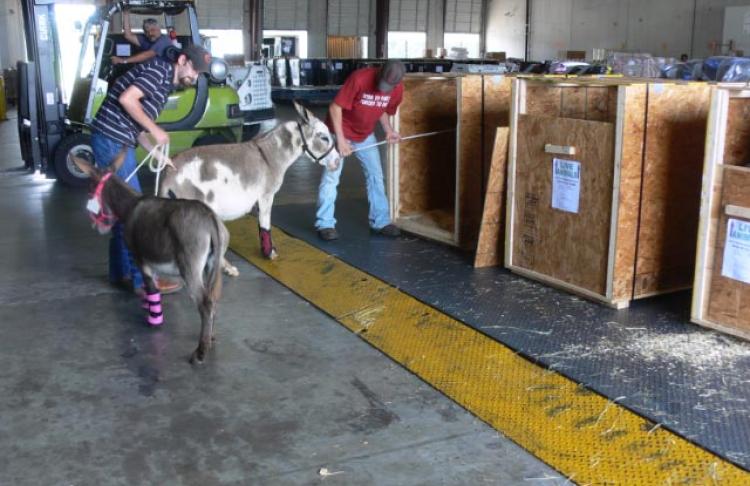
(91, 396)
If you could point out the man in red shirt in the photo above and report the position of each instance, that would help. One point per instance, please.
(369, 95)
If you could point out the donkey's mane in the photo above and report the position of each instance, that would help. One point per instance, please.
(120, 196)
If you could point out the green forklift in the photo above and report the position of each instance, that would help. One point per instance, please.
(208, 113)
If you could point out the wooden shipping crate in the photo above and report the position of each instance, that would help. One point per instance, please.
(626, 209)
(721, 294)
(435, 183)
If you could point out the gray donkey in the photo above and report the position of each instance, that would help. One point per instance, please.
(165, 236)
(231, 178)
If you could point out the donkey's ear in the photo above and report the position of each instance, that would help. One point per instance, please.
(303, 112)
(85, 167)
(119, 160)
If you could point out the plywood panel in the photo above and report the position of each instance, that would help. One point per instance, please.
(728, 299)
(737, 148)
(470, 161)
(490, 248)
(543, 99)
(497, 98)
(672, 173)
(427, 170)
(601, 103)
(569, 247)
(576, 100)
(629, 197)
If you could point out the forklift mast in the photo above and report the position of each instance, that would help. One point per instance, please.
(45, 126)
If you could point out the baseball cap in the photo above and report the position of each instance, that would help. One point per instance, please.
(200, 58)
(390, 75)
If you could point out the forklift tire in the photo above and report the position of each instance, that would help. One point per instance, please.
(78, 144)
(209, 140)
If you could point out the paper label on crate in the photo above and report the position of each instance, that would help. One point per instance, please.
(736, 263)
(566, 185)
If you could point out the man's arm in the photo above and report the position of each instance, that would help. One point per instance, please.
(342, 144)
(130, 100)
(145, 141)
(127, 33)
(140, 57)
(390, 134)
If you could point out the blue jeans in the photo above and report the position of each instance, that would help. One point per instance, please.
(370, 159)
(121, 265)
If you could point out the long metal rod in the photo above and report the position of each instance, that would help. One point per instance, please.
(403, 139)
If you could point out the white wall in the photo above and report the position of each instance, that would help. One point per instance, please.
(660, 27)
(12, 43)
(709, 23)
(317, 25)
(506, 27)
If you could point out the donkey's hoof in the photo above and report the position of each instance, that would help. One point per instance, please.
(197, 357)
(273, 255)
(231, 270)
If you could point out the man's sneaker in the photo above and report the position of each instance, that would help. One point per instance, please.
(168, 286)
(328, 234)
(389, 230)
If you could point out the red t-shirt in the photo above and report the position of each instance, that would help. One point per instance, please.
(363, 104)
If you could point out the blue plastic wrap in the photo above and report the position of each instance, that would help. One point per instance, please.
(726, 69)
(688, 71)
(734, 70)
(711, 67)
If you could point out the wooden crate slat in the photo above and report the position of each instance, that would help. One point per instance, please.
(630, 127)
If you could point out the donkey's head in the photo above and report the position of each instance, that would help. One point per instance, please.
(317, 141)
(109, 195)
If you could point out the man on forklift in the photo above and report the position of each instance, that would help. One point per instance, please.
(152, 42)
(126, 118)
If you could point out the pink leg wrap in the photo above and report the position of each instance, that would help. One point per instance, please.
(155, 314)
(266, 243)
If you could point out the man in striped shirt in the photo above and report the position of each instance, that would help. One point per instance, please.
(127, 117)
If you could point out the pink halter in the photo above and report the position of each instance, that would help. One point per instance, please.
(101, 218)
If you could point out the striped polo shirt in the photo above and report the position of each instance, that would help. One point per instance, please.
(154, 79)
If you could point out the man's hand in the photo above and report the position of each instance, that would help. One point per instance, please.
(344, 147)
(160, 136)
(393, 137)
(117, 60)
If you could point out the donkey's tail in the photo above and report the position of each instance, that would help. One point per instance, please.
(213, 267)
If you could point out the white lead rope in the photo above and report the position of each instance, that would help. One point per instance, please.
(157, 159)
(410, 137)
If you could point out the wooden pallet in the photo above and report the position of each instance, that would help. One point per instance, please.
(639, 146)
(721, 300)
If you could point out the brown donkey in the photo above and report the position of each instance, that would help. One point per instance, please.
(167, 236)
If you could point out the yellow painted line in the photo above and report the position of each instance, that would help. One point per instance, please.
(589, 439)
